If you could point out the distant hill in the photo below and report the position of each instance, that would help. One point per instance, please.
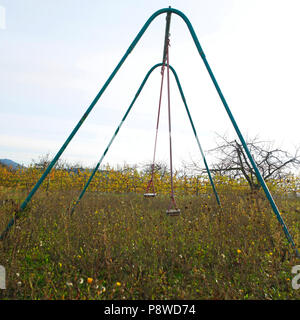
(10, 163)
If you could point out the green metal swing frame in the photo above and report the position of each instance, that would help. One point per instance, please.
(168, 11)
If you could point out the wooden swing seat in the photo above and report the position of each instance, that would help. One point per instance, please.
(173, 212)
(149, 195)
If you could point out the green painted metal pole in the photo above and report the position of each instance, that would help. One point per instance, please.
(196, 136)
(167, 33)
(259, 176)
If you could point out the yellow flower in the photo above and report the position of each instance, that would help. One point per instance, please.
(60, 265)
(89, 280)
(118, 284)
(238, 251)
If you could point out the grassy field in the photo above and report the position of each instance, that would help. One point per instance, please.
(122, 246)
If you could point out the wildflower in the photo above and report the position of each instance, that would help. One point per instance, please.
(60, 265)
(223, 255)
(89, 280)
(238, 251)
(118, 284)
(18, 274)
(103, 289)
(81, 281)
(69, 284)
(19, 283)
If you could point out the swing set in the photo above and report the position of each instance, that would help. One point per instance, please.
(150, 192)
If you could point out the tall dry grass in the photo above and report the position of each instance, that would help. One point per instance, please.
(122, 246)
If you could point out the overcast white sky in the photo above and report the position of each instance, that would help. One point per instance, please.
(55, 55)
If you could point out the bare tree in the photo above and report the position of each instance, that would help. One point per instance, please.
(159, 166)
(231, 160)
(272, 162)
(43, 162)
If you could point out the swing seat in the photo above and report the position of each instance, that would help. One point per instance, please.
(149, 195)
(173, 212)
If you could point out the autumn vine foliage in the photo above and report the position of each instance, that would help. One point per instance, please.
(127, 180)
